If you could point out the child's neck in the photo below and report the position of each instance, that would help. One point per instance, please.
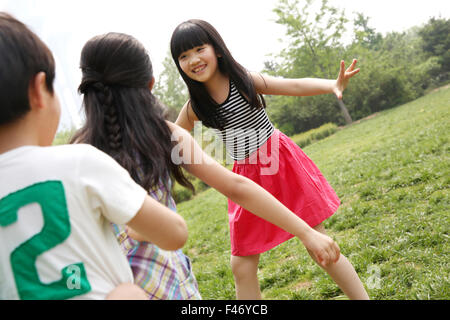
(15, 135)
(217, 87)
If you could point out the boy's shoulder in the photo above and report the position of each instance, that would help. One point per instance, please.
(60, 159)
(78, 152)
(67, 155)
(27, 153)
(71, 152)
(78, 148)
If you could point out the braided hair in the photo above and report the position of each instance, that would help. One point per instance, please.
(123, 118)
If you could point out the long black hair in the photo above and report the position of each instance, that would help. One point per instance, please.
(123, 118)
(194, 33)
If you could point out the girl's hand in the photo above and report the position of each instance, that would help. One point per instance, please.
(344, 77)
(322, 247)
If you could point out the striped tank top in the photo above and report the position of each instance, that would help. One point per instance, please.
(246, 128)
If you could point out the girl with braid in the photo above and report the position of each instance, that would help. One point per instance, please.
(125, 120)
(57, 202)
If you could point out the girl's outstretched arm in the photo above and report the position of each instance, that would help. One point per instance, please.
(305, 86)
(250, 195)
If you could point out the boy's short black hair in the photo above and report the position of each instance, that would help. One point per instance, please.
(22, 56)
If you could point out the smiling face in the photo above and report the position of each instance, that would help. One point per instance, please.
(199, 63)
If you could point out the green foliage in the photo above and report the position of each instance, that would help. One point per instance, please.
(170, 88)
(314, 50)
(306, 138)
(391, 173)
(364, 34)
(395, 73)
(436, 43)
(298, 114)
(315, 42)
(181, 193)
(63, 137)
(395, 68)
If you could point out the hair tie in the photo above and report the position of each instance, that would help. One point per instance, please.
(99, 87)
(91, 80)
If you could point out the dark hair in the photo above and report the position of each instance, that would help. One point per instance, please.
(123, 118)
(22, 56)
(193, 33)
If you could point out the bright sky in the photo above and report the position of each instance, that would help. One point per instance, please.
(247, 26)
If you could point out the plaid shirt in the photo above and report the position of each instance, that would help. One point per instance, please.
(164, 275)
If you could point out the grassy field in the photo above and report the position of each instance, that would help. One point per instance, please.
(392, 174)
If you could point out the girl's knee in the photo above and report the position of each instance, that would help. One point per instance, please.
(243, 267)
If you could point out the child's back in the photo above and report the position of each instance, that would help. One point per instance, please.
(56, 204)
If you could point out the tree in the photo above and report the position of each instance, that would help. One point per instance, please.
(170, 88)
(397, 67)
(365, 35)
(436, 42)
(315, 44)
(314, 50)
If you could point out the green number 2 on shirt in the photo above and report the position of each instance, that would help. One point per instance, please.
(51, 198)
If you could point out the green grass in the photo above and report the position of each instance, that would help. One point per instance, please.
(392, 174)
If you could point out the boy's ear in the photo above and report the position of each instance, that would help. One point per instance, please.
(37, 90)
(151, 83)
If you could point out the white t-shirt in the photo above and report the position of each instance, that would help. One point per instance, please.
(56, 205)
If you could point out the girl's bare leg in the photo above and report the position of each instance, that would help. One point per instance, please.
(345, 276)
(245, 270)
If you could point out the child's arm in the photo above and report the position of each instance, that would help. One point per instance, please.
(108, 187)
(306, 86)
(252, 197)
(160, 225)
(187, 117)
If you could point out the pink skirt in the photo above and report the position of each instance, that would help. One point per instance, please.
(283, 169)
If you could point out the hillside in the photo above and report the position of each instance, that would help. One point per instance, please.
(392, 174)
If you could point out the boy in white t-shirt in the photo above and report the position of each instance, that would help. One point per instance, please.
(57, 203)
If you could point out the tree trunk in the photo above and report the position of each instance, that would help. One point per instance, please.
(347, 117)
